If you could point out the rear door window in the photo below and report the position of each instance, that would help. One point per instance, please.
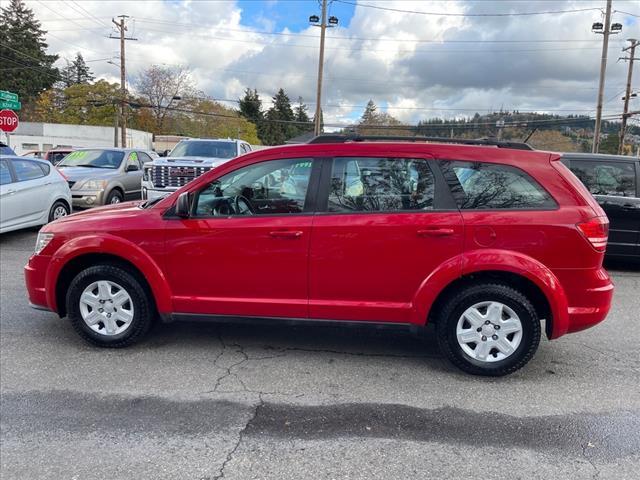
(5, 173)
(27, 170)
(380, 185)
(606, 178)
(489, 186)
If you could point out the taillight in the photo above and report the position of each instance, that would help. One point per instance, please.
(596, 230)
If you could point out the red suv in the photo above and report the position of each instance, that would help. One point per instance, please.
(483, 240)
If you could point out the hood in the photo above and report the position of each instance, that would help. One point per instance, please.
(86, 218)
(190, 161)
(77, 174)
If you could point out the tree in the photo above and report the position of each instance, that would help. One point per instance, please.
(251, 106)
(373, 122)
(161, 88)
(76, 72)
(301, 116)
(79, 104)
(610, 144)
(24, 52)
(279, 121)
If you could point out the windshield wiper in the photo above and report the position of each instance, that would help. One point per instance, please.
(85, 165)
(149, 203)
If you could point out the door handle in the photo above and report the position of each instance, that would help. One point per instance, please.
(11, 192)
(435, 232)
(631, 206)
(286, 234)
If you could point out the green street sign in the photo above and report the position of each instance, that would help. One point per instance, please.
(10, 105)
(8, 96)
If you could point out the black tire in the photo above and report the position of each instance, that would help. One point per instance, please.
(142, 305)
(114, 197)
(452, 310)
(57, 206)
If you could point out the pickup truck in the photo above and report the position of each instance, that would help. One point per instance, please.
(189, 159)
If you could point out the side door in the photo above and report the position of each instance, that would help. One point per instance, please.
(384, 226)
(27, 199)
(8, 205)
(244, 249)
(132, 177)
(614, 185)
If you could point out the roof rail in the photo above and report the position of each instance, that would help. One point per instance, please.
(336, 138)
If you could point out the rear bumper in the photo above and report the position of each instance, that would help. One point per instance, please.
(589, 294)
(34, 276)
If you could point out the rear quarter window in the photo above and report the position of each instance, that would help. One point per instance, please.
(489, 186)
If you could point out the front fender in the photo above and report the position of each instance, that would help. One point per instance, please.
(493, 260)
(110, 245)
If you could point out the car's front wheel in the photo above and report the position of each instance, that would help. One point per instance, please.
(114, 197)
(108, 306)
(488, 329)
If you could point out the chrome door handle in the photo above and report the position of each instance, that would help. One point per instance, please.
(286, 234)
(435, 232)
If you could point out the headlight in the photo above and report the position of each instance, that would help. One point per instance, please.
(42, 241)
(146, 171)
(94, 184)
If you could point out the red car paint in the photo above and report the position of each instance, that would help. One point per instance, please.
(387, 267)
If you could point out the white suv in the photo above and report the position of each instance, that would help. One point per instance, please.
(189, 159)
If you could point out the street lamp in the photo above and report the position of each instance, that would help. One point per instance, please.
(323, 24)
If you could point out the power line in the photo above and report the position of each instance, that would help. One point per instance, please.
(449, 14)
(89, 14)
(304, 35)
(627, 13)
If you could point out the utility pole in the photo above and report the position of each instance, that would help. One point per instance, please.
(123, 77)
(323, 28)
(625, 113)
(603, 68)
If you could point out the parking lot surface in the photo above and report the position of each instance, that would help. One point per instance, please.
(205, 401)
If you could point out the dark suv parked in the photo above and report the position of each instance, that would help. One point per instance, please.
(614, 181)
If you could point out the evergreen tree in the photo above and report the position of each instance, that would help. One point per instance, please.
(369, 115)
(251, 109)
(251, 106)
(77, 72)
(277, 127)
(24, 51)
(300, 115)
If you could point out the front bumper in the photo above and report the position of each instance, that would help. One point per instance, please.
(87, 198)
(34, 276)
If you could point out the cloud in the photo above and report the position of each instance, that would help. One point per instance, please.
(416, 65)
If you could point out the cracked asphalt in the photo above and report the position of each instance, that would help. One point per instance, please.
(204, 401)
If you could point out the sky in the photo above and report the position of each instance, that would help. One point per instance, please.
(415, 59)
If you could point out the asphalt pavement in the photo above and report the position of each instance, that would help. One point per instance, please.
(205, 401)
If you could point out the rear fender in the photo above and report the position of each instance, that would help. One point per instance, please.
(495, 260)
(109, 245)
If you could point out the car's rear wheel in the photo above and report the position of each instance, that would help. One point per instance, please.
(114, 197)
(58, 210)
(108, 306)
(488, 329)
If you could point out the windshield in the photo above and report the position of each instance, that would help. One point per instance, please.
(204, 148)
(93, 158)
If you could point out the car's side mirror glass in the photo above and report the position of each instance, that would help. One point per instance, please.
(183, 206)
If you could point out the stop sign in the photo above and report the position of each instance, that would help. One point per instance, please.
(8, 120)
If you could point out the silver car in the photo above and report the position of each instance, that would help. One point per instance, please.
(102, 176)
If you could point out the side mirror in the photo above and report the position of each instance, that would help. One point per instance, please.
(183, 206)
(165, 153)
(132, 168)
